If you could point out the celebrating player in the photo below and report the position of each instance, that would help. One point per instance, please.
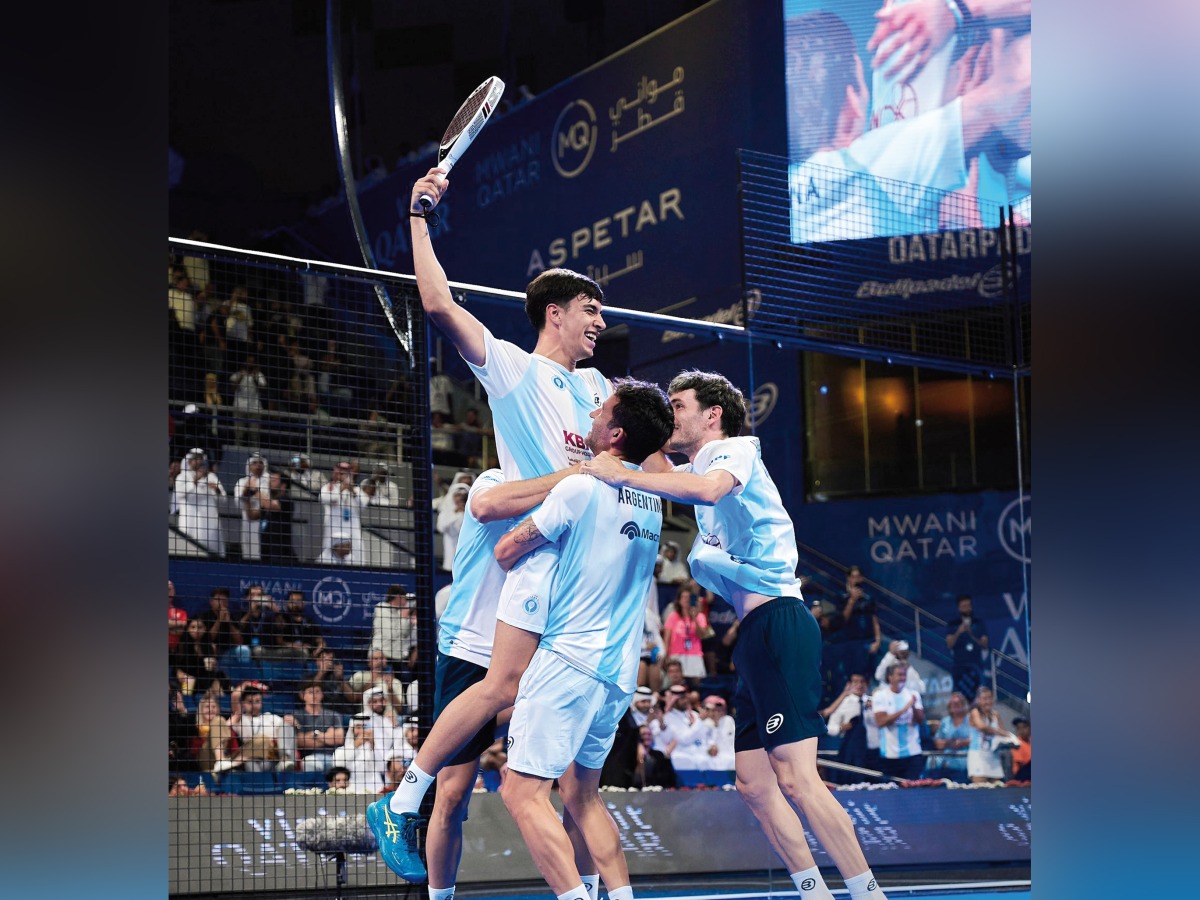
(541, 406)
(745, 551)
(584, 673)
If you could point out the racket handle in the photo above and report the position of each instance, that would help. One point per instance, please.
(426, 202)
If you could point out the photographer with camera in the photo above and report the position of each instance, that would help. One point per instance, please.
(254, 498)
(343, 503)
(387, 492)
(967, 640)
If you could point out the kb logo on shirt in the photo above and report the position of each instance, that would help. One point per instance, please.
(574, 440)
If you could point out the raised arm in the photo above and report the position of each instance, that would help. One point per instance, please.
(464, 330)
(523, 539)
(514, 498)
(683, 487)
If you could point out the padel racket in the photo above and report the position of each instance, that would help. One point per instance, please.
(465, 126)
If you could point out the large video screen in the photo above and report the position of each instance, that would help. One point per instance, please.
(906, 116)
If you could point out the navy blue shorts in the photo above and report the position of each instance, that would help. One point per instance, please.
(777, 656)
(452, 676)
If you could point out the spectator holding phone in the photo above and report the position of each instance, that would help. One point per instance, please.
(196, 491)
(967, 640)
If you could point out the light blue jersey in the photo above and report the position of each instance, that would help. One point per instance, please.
(607, 543)
(467, 627)
(746, 540)
(902, 738)
(540, 411)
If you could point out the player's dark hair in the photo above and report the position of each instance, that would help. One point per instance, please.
(645, 415)
(714, 389)
(820, 56)
(558, 286)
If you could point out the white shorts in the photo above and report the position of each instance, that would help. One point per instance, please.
(562, 715)
(525, 598)
(984, 763)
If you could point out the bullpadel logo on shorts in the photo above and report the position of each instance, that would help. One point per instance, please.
(774, 722)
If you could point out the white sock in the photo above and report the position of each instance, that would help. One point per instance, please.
(592, 883)
(408, 796)
(863, 887)
(441, 893)
(579, 893)
(811, 885)
(621, 893)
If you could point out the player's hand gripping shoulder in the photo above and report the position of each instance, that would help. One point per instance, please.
(606, 467)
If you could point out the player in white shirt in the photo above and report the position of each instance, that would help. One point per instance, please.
(541, 405)
(581, 679)
(745, 551)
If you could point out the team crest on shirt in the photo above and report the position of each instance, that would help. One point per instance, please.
(711, 539)
(559, 383)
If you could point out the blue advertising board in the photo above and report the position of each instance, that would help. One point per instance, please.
(340, 601)
(627, 172)
(931, 549)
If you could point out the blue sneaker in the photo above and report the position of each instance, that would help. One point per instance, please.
(396, 834)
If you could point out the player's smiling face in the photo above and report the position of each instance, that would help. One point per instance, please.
(688, 435)
(581, 323)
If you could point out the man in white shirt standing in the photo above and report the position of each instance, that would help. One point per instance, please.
(252, 491)
(343, 502)
(196, 490)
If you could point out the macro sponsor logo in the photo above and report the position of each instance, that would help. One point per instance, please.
(632, 530)
(711, 539)
(774, 722)
(531, 605)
